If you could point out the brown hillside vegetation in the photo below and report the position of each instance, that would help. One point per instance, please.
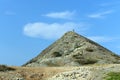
(91, 72)
(6, 68)
(31, 73)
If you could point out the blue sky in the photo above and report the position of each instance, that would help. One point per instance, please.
(29, 26)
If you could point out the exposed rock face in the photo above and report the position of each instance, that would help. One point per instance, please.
(73, 49)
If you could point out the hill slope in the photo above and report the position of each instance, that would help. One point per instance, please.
(73, 49)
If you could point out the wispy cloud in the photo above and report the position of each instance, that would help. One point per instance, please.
(10, 13)
(51, 31)
(103, 38)
(61, 15)
(100, 14)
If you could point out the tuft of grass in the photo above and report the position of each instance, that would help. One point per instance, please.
(113, 76)
(6, 68)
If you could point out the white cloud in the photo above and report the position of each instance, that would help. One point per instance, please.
(103, 38)
(61, 15)
(51, 31)
(100, 15)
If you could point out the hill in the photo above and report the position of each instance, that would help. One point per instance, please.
(73, 49)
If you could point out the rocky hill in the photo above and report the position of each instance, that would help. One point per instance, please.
(73, 49)
(78, 58)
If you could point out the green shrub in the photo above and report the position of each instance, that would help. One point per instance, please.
(77, 56)
(5, 68)
(83, 59)
(89, 49)
(86, 61)
(113, 76)
(56, 54)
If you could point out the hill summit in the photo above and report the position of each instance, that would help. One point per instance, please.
(73, 49)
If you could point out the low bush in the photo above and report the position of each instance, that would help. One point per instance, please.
(113, 76)
(89, 49)
(89, 61)
(56, 54)
(6, 68)
(86, 61)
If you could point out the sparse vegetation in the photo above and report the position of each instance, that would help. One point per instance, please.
(52, 64)
(87, 61)
(113, 76)
(6, 68)
(56, 54)
(83, 60)
(77, 56)
(89, 49)
(88, 72)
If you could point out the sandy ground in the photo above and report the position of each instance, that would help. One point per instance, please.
(91, 72)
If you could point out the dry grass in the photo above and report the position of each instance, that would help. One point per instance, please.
(35, 73)
(43, 73)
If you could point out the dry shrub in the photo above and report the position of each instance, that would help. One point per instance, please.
(89, 49)
(6, 68)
